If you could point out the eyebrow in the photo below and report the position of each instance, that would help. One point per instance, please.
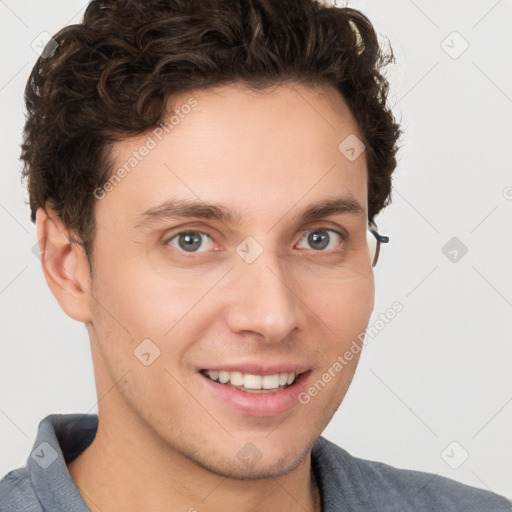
(174, 209)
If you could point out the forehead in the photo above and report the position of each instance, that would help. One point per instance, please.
(257, 153)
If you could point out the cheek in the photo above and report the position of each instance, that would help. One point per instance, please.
(346, 308)
(140, 300)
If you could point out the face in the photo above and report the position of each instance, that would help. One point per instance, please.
(207, 268)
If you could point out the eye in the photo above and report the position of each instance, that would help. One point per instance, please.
(320, 239)
(190, 241)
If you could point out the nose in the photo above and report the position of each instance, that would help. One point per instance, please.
(261, 299)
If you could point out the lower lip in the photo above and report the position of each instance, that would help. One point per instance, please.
(260, 404)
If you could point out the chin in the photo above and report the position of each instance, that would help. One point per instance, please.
(249, 463)
(258, 470)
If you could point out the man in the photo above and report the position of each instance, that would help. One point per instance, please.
(204, 177)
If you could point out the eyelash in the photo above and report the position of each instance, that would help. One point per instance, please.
(307, 232)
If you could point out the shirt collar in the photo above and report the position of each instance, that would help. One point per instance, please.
(60, 438)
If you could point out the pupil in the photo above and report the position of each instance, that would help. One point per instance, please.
(190, 242)
(319, 239)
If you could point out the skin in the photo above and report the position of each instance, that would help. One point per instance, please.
(165, 441)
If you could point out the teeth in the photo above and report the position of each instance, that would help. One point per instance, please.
(250, 381)
(270, 381)
(236, 378)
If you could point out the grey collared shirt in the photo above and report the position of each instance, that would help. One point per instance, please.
(346, 483)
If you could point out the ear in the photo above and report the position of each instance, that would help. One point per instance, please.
(64, 264)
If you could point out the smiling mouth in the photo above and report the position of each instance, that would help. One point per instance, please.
(250, 383)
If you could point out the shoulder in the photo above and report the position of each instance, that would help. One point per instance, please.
(385, 486)
(18, 493)
(44, 482)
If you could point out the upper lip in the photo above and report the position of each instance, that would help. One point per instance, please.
(259, 369)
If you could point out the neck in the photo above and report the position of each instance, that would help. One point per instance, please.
(128, 468)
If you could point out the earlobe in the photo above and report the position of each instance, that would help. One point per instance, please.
(64, 264)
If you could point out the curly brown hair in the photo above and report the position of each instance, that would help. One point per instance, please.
(112, 76)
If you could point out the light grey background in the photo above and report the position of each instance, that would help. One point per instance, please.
(440, 371)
